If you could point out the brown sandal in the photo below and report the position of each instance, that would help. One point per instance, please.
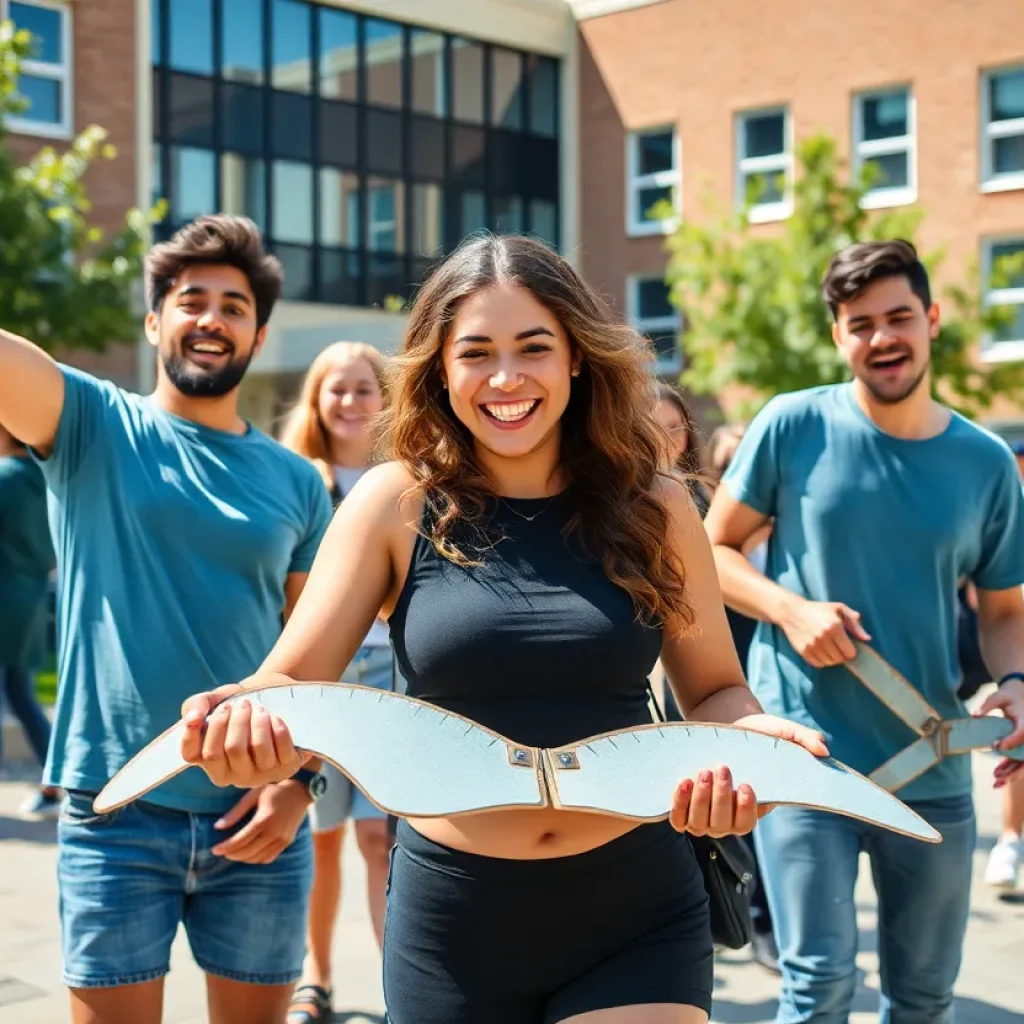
(311, 995)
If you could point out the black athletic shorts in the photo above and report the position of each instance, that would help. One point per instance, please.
(472, 939)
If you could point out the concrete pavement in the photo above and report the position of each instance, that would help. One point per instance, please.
(991, 988)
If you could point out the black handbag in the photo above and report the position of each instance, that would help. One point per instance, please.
(728, 867)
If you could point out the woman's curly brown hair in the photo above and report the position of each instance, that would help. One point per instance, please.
(610, 443)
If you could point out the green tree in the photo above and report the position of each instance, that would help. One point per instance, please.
(62, 281)
(752, 297)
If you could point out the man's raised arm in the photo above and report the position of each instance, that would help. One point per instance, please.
(31, 392)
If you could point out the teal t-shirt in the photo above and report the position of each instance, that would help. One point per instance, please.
(174, 542)
(888, 527)
(26, 558)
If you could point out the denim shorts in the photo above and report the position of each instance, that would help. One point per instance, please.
(128, 879)
(372, 666)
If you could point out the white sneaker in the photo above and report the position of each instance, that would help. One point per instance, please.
(1004, 864)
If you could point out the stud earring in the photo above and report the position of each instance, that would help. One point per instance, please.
(575, 373)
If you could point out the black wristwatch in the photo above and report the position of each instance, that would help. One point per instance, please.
(315, 782)
(1011, 675)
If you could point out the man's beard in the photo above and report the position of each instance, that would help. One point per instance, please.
(894, 398)
(195, 382)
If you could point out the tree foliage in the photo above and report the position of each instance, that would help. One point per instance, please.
(751, 295)
(63, 282)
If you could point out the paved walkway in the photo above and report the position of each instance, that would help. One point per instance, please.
(991, 983)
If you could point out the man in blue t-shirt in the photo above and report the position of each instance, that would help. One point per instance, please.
(184, 537)
(882, 500)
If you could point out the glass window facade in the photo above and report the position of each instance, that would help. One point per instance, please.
(364, 148)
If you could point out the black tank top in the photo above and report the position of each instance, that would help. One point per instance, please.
(535, 643)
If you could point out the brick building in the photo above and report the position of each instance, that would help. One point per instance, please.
(367, 137)
(677, 95)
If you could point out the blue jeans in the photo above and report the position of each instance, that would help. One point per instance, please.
(809, 863)
(17, 689)
(128, 879)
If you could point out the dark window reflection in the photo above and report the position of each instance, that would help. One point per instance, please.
(338, 132)
(542, 73)
(340, 272)
(469, 148)
(428, 141)
(386, 279)
(540, 167)
(292, 53)
(505, 159)
(156, 38)
(339, 54)
(508, 215)
(191, 110)
(428, 72)
(473, 212)
(383, 63)
(297, 262)
(384, 141)
(544, 221)
(241, 57)
(467, 62)
(191, 36)
(506, 89)
(292, 119)
(242, 117)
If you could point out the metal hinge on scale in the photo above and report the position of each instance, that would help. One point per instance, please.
(938, 737)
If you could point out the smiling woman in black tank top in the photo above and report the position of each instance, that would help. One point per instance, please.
(533, 564)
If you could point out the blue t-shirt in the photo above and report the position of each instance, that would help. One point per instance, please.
(174, 542)
(888, 527)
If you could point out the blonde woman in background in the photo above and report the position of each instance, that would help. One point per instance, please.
(332, 425)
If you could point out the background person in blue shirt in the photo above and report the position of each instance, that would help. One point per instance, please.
(882, 500)
(183, 536)
(26, 559)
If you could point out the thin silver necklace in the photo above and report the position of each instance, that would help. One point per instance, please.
(529, 519)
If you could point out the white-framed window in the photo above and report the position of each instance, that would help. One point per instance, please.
(46, 78)
(884, 137)
(1002, 129)
(653, 173)
(1007, 343)
(764, 163)
(649, 306)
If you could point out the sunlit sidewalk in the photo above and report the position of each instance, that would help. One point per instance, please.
(991, 983)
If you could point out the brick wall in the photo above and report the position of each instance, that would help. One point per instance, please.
(104, 94)
(695, 64)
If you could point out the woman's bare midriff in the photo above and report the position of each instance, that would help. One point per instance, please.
(524, 834)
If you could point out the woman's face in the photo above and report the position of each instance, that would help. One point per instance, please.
(678, 436)
(508, 366)
(350, 397)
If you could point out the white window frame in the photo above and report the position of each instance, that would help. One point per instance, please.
(864, 150)
(993, 351)
(990, 131)
(635, 182)
(62, 73)
(656, 324)
(779, 163)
